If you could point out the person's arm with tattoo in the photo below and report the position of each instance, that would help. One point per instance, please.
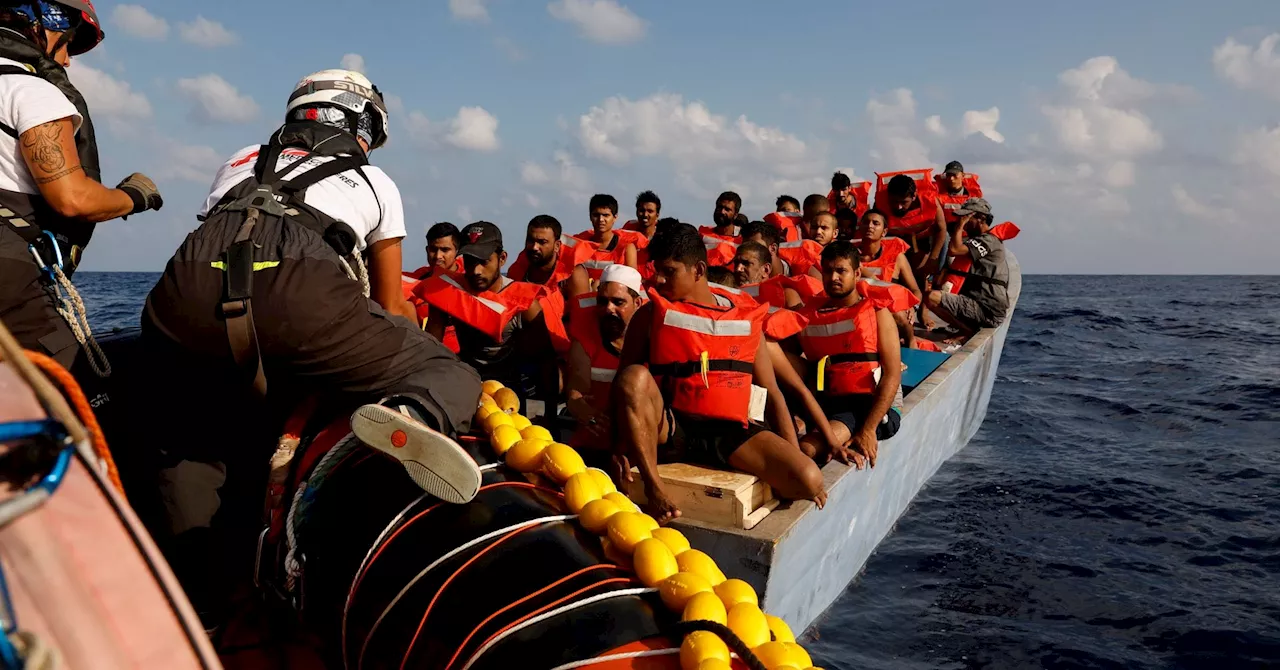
(50, 153)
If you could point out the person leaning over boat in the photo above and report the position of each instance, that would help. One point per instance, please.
(50, 195)
(851, 347)
(500, 321)
(691, 356)
(598, 329)
(983, 301)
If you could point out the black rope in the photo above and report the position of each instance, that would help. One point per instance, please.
(736, 645)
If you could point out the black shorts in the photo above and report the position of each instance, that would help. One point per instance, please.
(852, 410)
(707, 442)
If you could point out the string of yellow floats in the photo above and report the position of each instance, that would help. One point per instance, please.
(688, 580)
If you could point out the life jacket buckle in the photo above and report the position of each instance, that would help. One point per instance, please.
(233, 308)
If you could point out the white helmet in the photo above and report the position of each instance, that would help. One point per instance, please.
(348, 91)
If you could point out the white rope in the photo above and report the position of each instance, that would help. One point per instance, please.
(617, 657)
(488, 536)
(359, 273)
(351, 592)
(292, 568)
(490, 466)
(553, 613)
(71, 308)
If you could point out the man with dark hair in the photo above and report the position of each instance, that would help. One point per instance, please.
(917, 218)
(786, 203)
(685, 376)
(549, 257)
(648, 208)
(752, 264)
(852, 340)
(726, 228)
(955, 186)
(814, 205)
(599, 327)
(884, 259)
(983, 299)
(443, 242)
(612, 246)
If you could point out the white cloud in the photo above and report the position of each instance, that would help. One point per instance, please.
(135, 20)
(353, 62)
(194, 163)
(563, 175)
(533, 174)
(1250, 69)
(472, 129)
(706, 152)
(1099, 119)
(1259, 149)
(933, 124)
(1189, 206)
(894, 127)
(214, 100)
(982, 122)
(108, 96)
(469, 10)
(510, 49)
(601, 21)
(205, 33)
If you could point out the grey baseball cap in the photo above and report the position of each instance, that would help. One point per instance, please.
(974, 206)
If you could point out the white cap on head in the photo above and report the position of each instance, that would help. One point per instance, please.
(625, 275)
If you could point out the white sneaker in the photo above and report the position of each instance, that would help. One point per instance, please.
(434, 462)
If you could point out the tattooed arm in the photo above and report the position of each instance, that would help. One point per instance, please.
(50, 153)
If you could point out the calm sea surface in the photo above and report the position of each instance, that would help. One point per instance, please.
(1120, 507)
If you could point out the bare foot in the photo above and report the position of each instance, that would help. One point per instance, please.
(659, 506)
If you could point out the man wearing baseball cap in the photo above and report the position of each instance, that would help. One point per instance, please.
(984, 299)
(598, 327)
(954, 187)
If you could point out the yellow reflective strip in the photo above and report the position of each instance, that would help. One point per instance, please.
(218, 265)
(822, 373)
(706, 363)
(424, 322)
(260, 265)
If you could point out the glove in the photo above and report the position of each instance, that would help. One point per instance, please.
(143, 191)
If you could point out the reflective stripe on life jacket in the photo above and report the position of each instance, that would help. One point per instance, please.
(861, 198)
(918, 219)
(950, 203)
(883, 266)
(703, 356)
(573, 252)
(800, 255)
(774, 289)
(845, 343)
(487, 312)
(959, 266)
(787, 224)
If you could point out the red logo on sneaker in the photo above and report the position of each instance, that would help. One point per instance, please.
(399, 439)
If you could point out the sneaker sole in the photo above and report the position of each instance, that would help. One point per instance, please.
(435, 463)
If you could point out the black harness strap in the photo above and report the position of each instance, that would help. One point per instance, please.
(694, 368)
(868, 357)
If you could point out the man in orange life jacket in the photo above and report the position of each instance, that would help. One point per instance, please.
(814, 205)
(614, 246)
(492, 343)
(728, 205)
(648, 210)
(685, 375)
(825, 230)
(788, 258)
(443, 241)
(842, 190)
(598, 333)
(951, 190)
(849, 337)
(983, 301)
(549, 258)
(885, 259)
(903, 199)
(786, 203)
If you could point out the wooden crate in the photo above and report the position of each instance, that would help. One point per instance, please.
(731, 499)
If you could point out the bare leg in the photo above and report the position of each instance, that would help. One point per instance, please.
(814, 447)
(792, 475)
(641, 426)
(905, 329)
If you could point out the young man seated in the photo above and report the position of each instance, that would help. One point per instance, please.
(549, 258)
(443, 242)
(684, 383)
(499, 321)
(612, 246)
(754, 276)
(885, 259)
(851, 351)
(786, 203)
(727, 228)
(825, 229)
(983, 300)
(648, 210)
(814, 205)
(919, 220)
(598, 332)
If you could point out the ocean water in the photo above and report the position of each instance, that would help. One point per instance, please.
(1119, 508)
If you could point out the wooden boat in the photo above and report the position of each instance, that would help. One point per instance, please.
(801, 558)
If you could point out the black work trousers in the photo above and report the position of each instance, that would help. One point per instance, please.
(27, 303)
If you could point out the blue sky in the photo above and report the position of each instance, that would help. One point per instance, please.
(1121, 136)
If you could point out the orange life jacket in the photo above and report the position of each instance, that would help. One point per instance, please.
(958, 267)
(604, 364)
(787, 224)
(845, 342)
(861, 198)
(926, 345)
(774, 289)
(625, 234)
(710, 236)
(601, 258)
(720, 253)
(950, 203)
(703, 356)
(409, 282)
(573, 252)
(899, 298)
(783, 323)
(800, 255)
(919, 219)
(553, 313)
(882, 267)
(487, 312)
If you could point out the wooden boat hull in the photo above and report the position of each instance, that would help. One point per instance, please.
(801, 558)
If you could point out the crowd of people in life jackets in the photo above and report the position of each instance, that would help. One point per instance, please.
(666, 337)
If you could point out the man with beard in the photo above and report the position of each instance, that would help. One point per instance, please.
(691, 356)
(549, 258)
(598, 332)
(728, 205)
(983, 300)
